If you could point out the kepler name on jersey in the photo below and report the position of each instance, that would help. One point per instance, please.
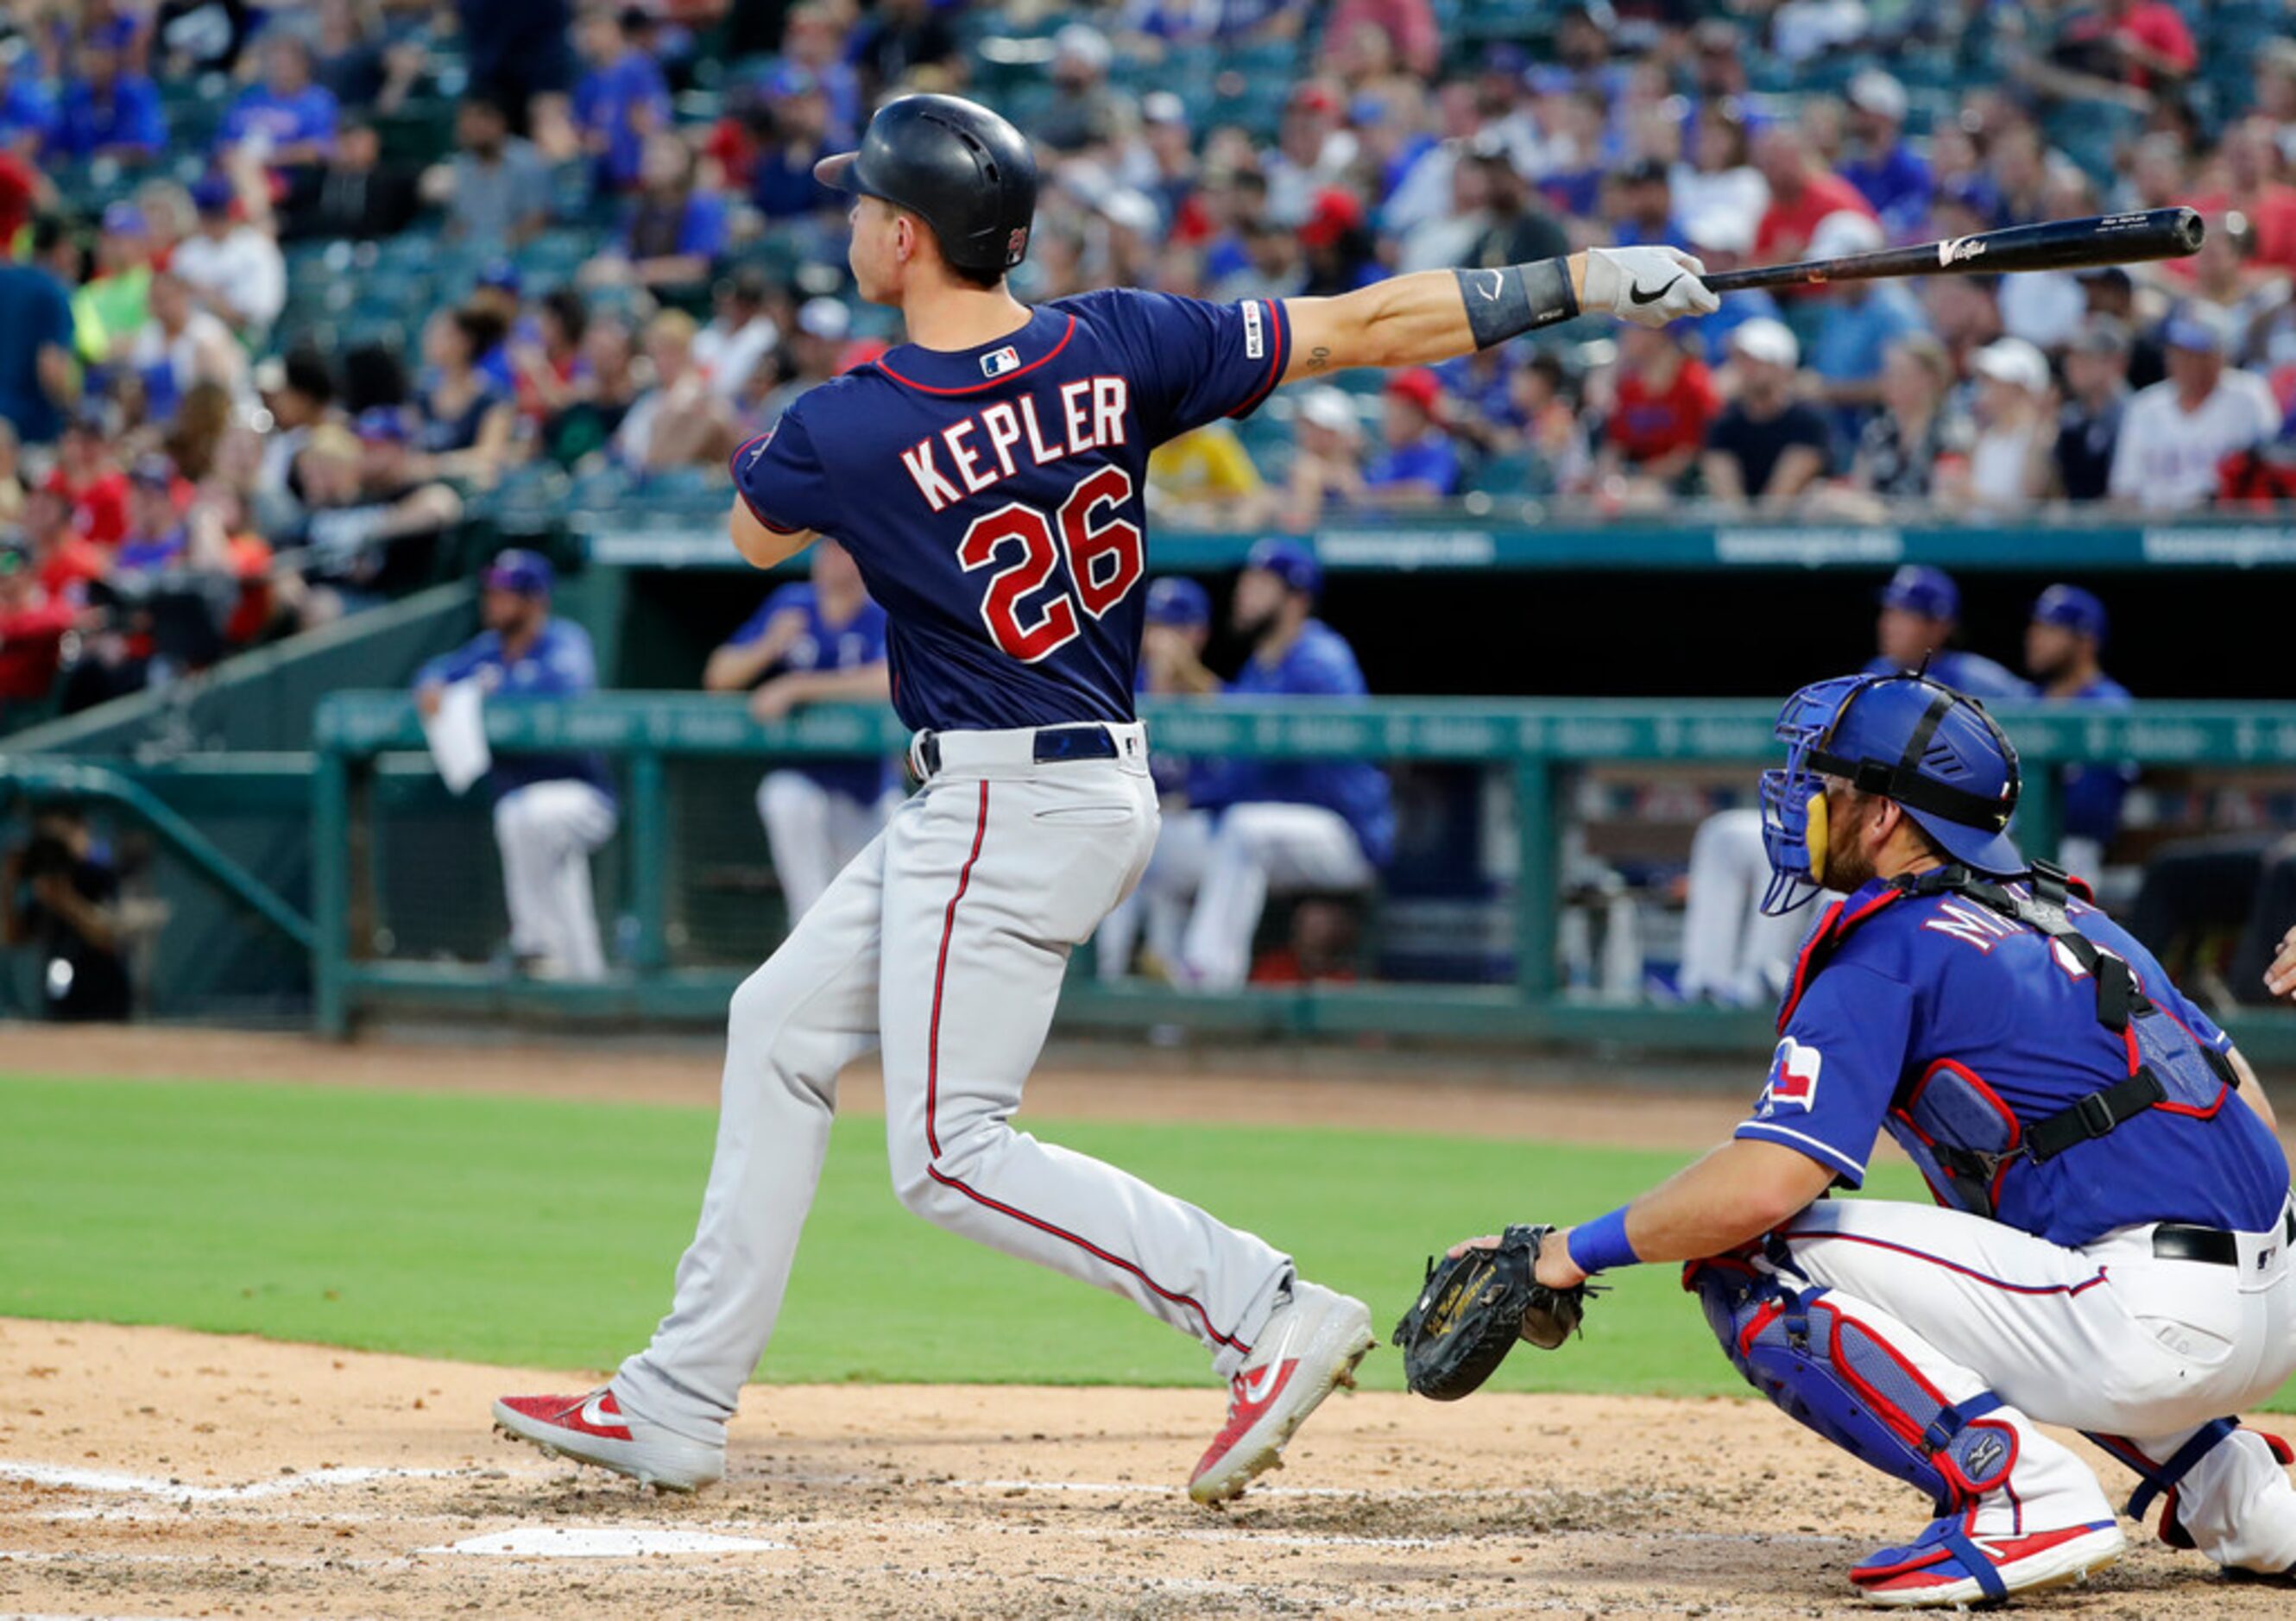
(986, 448)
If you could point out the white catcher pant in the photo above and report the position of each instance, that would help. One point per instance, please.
(546, 832)
(1258, 850)
(946, 941)
(2103, 1338)
(812, 832)
(1730, 951)
(1161, 902)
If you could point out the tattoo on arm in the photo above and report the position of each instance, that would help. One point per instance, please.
(1515, 298)
(1319, 359)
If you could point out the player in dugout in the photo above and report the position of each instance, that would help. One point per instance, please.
(988, 476)
(2109, 1248)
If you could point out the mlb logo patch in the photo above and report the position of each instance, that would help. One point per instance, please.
(1255, 334)
(1004, 360)
(1793, 1078)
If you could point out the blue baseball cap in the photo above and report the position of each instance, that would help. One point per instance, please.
(2078, 610)
(211, 194)
(791, 79)
(527, 573)
(1917, 588)
(503, 275)
(382, 425)
(1176, 600)
(2202, 327)
(1289, 560)
(124, 220)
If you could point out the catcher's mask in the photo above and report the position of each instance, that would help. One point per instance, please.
(1938, 754)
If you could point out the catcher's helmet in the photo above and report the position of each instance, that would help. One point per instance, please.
(966, 171)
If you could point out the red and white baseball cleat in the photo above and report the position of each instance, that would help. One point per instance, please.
(1311, 1345)
(1948, 1567)
(593, 1428)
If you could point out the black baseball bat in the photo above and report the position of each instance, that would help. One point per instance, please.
(2054, 244)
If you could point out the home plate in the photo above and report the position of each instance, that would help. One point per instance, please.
(604, 1543)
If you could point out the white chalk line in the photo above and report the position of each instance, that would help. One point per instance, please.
(177, 1491)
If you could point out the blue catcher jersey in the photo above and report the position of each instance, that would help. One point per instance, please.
(992, 496)
(559, 665)
(856, 644)
(1927, 985)
(1320, 664)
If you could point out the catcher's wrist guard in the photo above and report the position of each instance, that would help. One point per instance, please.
(1473, 1308)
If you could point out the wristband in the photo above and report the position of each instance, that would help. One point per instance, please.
(1516, 299)
(1601, 1245)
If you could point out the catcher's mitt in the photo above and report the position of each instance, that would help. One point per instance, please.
(1474, 1308)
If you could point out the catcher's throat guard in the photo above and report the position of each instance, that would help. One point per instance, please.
(1474, 1306)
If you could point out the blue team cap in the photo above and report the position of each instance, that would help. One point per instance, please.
(382, 425)
(1289, 560)
(527, 573)
(2199, 326)
(503, 275)
(1919, 589)
(124, 220)
(2078, 610)
(212, 193)
(791, 79)
(1176, 600)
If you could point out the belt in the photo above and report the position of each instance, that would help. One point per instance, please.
(1048, 745)
(2182, 1242)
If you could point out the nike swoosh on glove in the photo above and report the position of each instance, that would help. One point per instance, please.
(1648, 286)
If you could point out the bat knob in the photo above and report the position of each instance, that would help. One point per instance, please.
(2191, 230)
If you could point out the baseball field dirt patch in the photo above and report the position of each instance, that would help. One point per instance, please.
(154, 1472)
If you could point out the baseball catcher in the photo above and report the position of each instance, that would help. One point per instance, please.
(2109, 1246)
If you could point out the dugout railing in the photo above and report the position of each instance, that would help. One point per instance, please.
(675, 754)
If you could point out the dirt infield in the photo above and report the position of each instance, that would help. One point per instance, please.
(154, 1472)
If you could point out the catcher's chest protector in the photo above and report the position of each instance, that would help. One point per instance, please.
(1956, 1128)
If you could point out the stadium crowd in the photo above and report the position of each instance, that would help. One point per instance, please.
(293, 289)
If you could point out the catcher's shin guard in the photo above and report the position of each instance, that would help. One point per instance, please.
(1820, 1359)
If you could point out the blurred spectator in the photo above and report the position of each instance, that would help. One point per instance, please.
(195, 36)
(1916, 447)
(2140, 43)
(496, 188)
(1517, 230)
(2274, 93)
(235, 271)
(1206, 479)
(740, 333)
(622, 99)
(65, 561)
(1720, 239)
(1887, 171)
(34, 621)
(39, 376)
(286, 121)
(357, 68)
(2111, 294)
(678, 422)
(809, 357)
(28, 112)
(105, 110)
(155, 529)
(1409, 26)
(1326, 458)
(1314, 151)
(1418, 465)
(552, 811)
(463, 420)
(1341, 253)
(12, 474)
(546, 361)
(357, 194)
(900, 38)
(1920, 616)
(182, 344)
(1283, 826)
(1545, 403)
(112, 305)
(296, 391)
(675, 230)
(62, 892)
(520, 53)
(2175, 434)
(369, 524)
(89, 478)
(2062, 642)
(1802, 193)
(1856, 323)
(1767, 446)
(1665, 401)
(821, 640)
(2097, 397)
(605, 386)
(1721, 182)
(777, 170)
(1084, 110)
(1642, 206)
(2009, 463)
(815, 41)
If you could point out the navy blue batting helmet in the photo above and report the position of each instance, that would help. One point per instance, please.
(963, 169)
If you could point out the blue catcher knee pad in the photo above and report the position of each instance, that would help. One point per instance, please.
(1813, 1355)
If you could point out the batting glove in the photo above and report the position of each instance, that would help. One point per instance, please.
(1648, 286)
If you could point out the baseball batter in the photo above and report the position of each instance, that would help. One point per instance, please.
(986, 477)
(2110, 1250)
(820, 641)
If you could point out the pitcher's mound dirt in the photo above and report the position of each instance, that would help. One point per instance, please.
(149, 1471)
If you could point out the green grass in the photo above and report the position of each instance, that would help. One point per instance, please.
(513, 1229)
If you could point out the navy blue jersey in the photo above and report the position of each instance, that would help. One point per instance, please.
(1318, 664)
(1927, 982)
(992, 496)
(559, 665)
(856, 644)
(1972, 674)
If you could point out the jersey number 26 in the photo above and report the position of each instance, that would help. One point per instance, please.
(1105, 560)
